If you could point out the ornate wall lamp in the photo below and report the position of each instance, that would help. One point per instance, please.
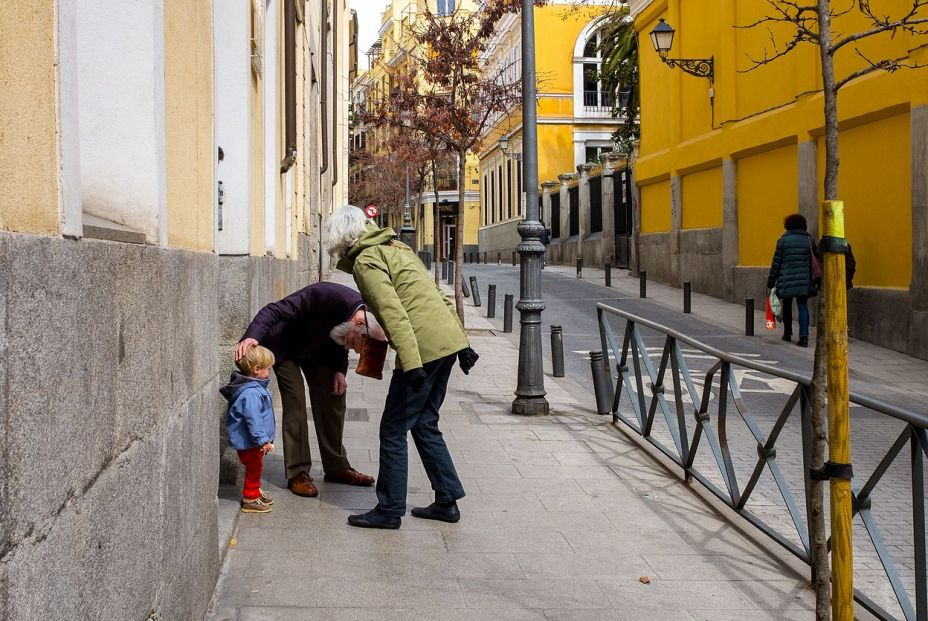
(662, 39)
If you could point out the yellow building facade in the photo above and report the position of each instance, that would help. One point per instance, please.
(721, 164)
(393, 51)
(575, 125)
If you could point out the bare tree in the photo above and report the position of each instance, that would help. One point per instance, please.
(811, 22)
(446, 95)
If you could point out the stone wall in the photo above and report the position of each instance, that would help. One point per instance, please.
(501, 238)
(107, 461)
(245, 285)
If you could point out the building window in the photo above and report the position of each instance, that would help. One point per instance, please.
(445, 7)
(486, 209)
(493, 194)
(509, 188)
(500, 173)
(593, 153)
(519, 186)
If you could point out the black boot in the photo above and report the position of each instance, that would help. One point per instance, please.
(803, 341)
(442, 511)
(374, 519)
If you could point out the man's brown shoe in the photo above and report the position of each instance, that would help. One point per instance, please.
(302, 485)
(349, 476)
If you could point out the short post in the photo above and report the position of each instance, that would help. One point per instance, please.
(642, 284)
(491, 301)
(513, 258)
(476, 290)
(601, 386)
(579, 267)
(557, 351)
(444, 270)
(749, 316)
(484, 257)
(465, 290)
(451, 268)
(499, 258)
(428, 260)
(608, 274)
(687, 297)
(507, 313)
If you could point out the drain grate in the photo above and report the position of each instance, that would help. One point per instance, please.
(357, 415)
(480, 332)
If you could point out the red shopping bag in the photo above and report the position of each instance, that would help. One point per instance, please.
(771, 320)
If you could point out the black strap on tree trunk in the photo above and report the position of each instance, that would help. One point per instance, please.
(832, 470)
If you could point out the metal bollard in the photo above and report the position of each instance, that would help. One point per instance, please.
(491, 301)
(642, 284)
(749, 316)
(444, 270)
(451, 269)
(484, 257)
(513, 258)
(608, 274)
(507, 313)
(475, 289)
(687, 297)
(579, 267)
(601, 386)
(465, 290)
(557, 351)
(499, 258)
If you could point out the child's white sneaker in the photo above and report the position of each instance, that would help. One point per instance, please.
(255, 506)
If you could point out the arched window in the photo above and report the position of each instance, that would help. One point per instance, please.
(590, 99)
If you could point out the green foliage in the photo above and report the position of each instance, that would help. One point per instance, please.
(619, 72)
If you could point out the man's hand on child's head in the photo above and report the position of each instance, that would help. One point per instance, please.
(267, 448)
(242, 348)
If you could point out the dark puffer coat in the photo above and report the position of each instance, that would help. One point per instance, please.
(791, 270)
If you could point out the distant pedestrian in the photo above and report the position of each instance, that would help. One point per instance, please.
(791, 275)
(250, 423)
(296, 329)
(545, 240)
(424, 329)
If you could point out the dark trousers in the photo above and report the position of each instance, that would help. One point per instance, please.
(802, 303)
(416, 412)
(328, 417)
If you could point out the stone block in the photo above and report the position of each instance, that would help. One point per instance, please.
(656, 257)
(234, 309)
(880, 316)
(749, 282)
(918, 337)
(186, 593)
(701, 260)
(100, 557)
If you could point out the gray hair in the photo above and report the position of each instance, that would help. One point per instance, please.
(344, 228)
(340, 332)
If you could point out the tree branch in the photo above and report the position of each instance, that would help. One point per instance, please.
(889, 65)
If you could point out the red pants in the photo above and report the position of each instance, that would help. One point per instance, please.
(253, 460)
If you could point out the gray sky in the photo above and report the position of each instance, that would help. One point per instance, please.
(368, 23)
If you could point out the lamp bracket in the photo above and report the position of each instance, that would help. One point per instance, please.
(699, 67)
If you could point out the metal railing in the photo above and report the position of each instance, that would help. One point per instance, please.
(637, 374)
(598, 101)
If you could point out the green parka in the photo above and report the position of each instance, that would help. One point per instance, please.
(417, 316)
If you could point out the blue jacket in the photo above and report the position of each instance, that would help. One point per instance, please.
(250, 419)
(791, 269)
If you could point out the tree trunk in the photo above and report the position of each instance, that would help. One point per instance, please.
(821, 571)
(819, 535)
(436, 227)
(459, 238)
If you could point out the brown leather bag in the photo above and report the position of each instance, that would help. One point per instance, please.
(373, 355)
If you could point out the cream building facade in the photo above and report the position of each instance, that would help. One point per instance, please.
(165, 170)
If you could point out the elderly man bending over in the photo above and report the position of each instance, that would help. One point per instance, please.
(424, 329)
(296, 329)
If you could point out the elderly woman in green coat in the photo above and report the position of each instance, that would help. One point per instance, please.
(791, 275)
(425, 331)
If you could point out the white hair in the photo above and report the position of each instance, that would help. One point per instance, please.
(344, 228)
(340, 332)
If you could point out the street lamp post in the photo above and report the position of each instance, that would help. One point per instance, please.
(408, 231)
(530, 392)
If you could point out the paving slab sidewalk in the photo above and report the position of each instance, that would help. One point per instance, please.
(565, 518)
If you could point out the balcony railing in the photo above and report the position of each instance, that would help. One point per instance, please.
(598, 101)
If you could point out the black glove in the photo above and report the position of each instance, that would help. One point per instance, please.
(467, 358)
(415, 379)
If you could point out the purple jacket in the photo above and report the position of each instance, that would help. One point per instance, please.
(297, 327)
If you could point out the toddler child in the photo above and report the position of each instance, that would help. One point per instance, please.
(250, 422)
